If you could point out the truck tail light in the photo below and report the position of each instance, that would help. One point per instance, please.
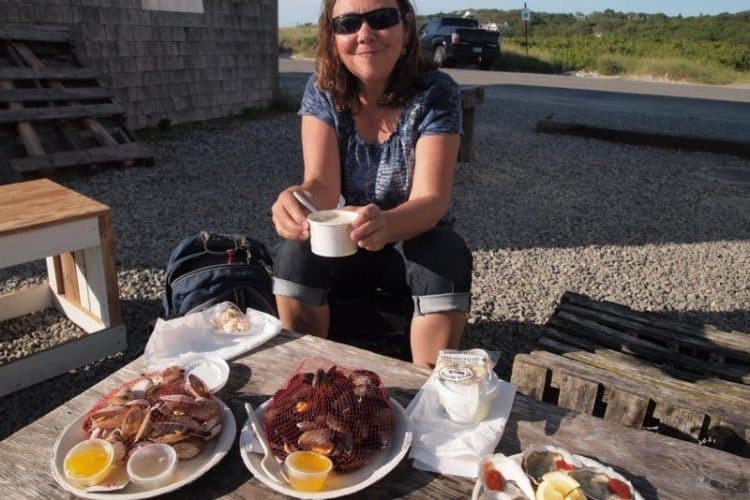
(454, 38)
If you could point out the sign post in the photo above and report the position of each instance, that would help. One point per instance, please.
(526, 16)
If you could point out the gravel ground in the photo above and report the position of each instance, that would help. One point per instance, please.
(652, 229)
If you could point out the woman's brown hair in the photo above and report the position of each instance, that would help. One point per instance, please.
(336, 79)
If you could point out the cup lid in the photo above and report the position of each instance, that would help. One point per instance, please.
(212, 370)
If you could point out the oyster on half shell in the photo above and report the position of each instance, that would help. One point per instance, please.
(540, 459)
(597, 484)
(516, 486)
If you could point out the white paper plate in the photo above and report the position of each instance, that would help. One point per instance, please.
(338, 485)
(212, 370)
(187, 470)
(586, 461)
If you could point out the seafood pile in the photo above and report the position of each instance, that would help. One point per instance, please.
(164, 407)
(549, 472)
(230, 320)
(338, 412)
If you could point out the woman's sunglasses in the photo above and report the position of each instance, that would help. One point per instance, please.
(378, 19)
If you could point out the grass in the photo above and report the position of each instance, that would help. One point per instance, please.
(300, 41)
(165, 130)
(541, 60)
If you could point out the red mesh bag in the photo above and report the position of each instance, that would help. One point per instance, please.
(340, 412)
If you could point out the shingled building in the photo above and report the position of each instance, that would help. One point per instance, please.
(176, 60)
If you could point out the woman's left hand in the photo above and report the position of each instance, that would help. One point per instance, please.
(369, 229)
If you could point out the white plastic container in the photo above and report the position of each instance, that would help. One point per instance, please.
(89, 462)
(467, 404)
(152, 465)
(212, 370)
(466, 385)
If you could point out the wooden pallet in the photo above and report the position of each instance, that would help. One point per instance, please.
(54, 112)
(644, 371)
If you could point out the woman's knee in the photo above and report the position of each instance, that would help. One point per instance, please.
(438, 271)
(298, 274)
(440, 257)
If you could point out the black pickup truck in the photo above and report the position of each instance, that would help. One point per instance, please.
(450, 40)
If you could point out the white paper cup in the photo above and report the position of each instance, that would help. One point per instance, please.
(329, 233)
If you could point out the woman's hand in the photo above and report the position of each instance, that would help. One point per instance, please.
(369, 229)
(289, 218)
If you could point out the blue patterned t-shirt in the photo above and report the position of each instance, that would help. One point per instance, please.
(382, 173)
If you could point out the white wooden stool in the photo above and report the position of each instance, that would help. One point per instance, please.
(41, 219)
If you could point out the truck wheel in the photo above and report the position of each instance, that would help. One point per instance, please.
(438, 56)
(485, 65)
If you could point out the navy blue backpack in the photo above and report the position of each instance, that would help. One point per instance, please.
(209, 268)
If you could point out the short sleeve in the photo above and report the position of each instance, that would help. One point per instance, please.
(316, 103)
(443, 107)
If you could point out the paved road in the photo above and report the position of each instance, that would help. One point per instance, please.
(702, 110)
(476, 77)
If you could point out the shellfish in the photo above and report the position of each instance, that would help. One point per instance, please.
(598, 485)
(503, 479)
(343, 414)
(541, 459)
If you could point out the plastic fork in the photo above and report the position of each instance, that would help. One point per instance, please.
(268, 463)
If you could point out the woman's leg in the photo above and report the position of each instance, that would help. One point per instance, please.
(435, 331)
(300, 283)
(297, 316)
(438, 272)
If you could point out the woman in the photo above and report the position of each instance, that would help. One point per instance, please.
(381, 130)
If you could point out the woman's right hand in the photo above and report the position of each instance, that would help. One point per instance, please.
(289, 217)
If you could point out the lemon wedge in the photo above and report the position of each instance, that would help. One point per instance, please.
(559, 486)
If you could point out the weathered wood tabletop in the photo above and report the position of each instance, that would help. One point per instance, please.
(659, 466)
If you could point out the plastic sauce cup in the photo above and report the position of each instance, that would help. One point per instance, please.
(89, 462)
(152, 465)
(307, 470)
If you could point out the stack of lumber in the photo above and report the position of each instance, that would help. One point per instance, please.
(643, 370)
(54, 112)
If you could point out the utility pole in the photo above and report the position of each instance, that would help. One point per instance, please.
(525, 16)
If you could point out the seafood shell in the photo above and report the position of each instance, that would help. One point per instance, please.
(594, 482)
(517, 485)
(539, 459)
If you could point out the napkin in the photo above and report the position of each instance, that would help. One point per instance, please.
(176, 339)
(441, 445)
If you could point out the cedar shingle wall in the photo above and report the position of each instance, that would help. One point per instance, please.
(179, 66)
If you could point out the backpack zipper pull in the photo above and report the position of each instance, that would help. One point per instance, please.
(233, 258)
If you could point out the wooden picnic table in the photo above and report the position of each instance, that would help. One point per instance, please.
(659, 466)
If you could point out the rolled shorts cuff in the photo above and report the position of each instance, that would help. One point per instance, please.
(427, 304)
(306, 294)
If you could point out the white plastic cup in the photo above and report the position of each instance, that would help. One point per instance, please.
(94, 477)
(307, 470)
(466, 403)
(152, 465)
(329, 233)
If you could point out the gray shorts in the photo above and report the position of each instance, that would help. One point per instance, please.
(434, 267)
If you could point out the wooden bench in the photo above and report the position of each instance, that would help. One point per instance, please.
(471, 98)
(73, 233)
(644, 371)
